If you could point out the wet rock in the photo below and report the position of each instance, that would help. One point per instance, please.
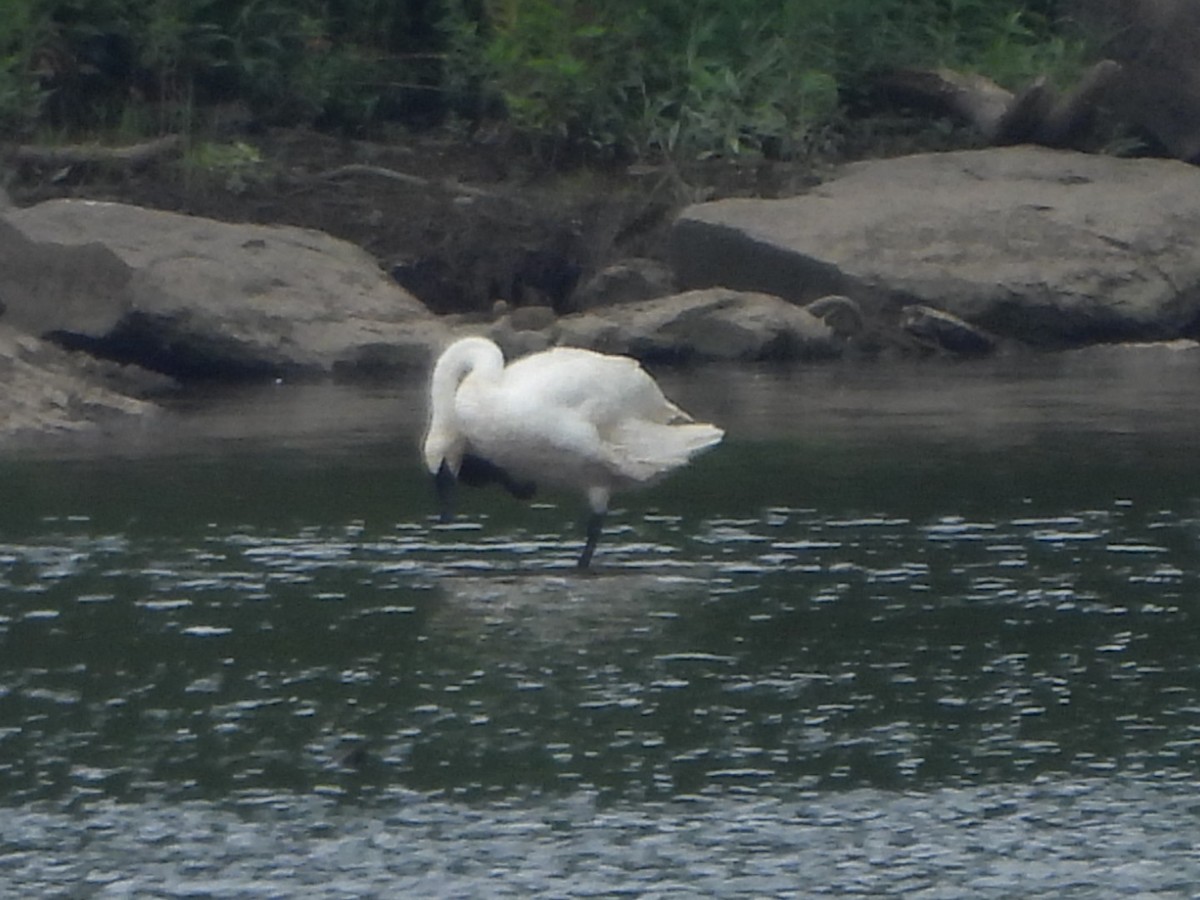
(1051, 248)
(716, 324)
(1182, 347)
(941, 331)
(47, 389)
(840, 313)
(197, 297)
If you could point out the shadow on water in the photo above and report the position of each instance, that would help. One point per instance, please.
(950, 581)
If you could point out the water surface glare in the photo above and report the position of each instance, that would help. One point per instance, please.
(927, 632)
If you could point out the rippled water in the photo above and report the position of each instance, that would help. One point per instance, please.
(925, 631)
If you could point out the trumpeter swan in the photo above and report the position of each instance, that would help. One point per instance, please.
(565, 417)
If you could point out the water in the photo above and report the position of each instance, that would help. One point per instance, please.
(924, 631)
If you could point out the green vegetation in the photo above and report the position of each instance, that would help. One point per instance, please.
(632, 77)
(235, 164)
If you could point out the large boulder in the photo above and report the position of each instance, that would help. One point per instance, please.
(1052, 248)
(194, 296)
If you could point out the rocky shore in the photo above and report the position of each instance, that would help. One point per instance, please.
(965, 253)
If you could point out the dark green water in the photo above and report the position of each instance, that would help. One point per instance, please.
(921, 630)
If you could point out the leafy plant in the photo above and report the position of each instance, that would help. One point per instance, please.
(731, 76)
(235, 165)
(565, 76)
(684, 77)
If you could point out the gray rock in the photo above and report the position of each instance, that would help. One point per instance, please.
(716, 324)
(840, 313)
(47, 389)
(532, 318)
(940, 331)
(1159, 85)
(627, 281)
(49, 287)
(1180, 346)
(1048, 247)
(190, 295)
(515, 342)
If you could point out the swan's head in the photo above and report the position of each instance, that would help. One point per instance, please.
(443, 453)
(443, 448)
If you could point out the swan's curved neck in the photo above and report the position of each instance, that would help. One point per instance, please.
(473, 356)
(468, 356)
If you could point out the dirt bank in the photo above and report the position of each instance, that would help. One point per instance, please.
(462, 222)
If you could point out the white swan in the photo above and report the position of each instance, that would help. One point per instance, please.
(565, 417)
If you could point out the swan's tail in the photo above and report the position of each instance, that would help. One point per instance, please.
(644, 450)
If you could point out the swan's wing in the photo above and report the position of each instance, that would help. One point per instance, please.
(577, 418)
(644, 450)
(603, 389)
(531, 438)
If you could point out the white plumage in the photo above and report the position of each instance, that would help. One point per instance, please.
(565, 417)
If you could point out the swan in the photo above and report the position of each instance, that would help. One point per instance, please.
(565, 417)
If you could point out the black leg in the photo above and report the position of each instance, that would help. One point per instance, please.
(594, 523)
(443, 482)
